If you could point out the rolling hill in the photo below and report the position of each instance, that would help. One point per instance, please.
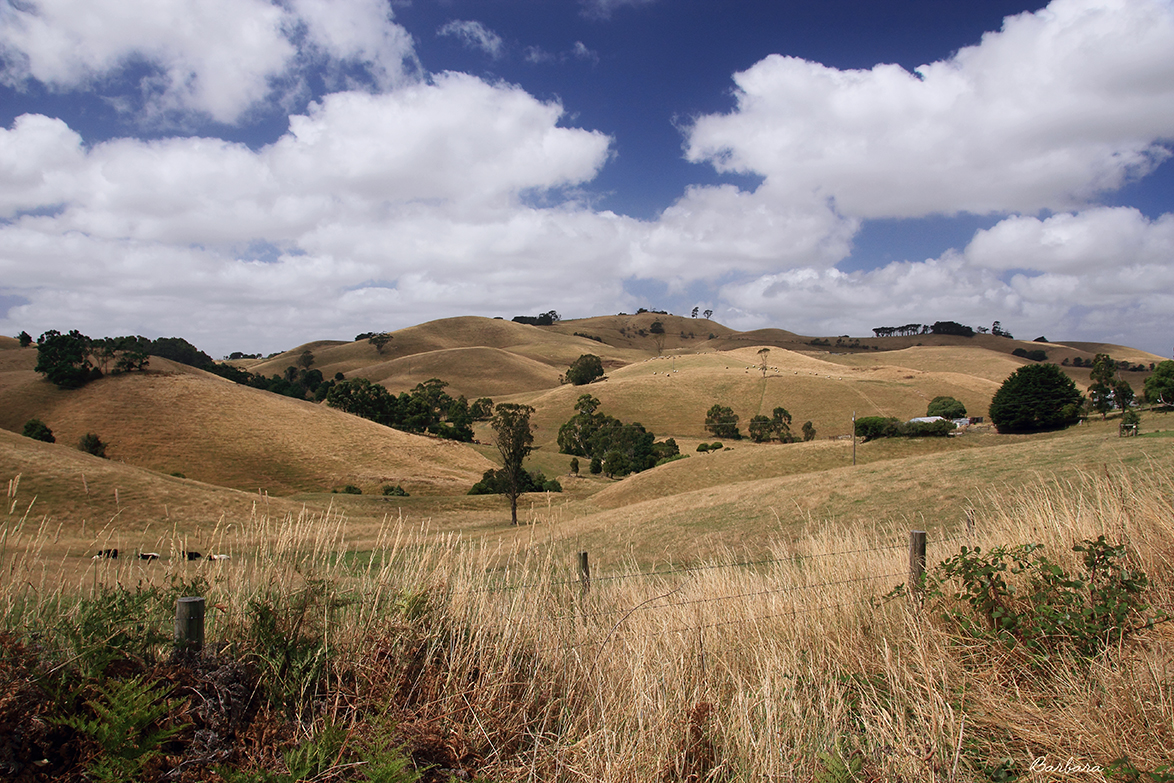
(235, 445)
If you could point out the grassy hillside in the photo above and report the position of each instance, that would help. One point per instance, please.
(176, 419)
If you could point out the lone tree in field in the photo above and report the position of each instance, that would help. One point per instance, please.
(763, 355)
(511, 422)
(379, 340)
(657, 330)
(584, 370)
(1159, 387)
(946, 407)
(1036, 397)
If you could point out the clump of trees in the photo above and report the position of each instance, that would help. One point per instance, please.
(617, 448)
(722, 422)
(64, 359)
(775, 427)
(426, 409)
(1035, 398)
(938, 327)
(548, 318)
(873, 427)
(1035, 355)
(584, 370)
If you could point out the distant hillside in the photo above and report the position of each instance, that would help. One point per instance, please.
(174, 418)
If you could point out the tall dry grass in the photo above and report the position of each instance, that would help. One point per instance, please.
(500, 662)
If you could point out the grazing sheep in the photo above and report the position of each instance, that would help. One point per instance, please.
(148, 555)
(219, 557)
(192, 555)
(106, 554)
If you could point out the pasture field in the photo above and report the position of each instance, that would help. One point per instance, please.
(745, 618)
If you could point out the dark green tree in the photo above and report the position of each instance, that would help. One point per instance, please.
(511, 423)
(90, 443)
(25, 339)
(946, 407)
(1034, 398)
(64, 359)
(808, 431)
(38, 430)
(481, 409)
(1102, 380)
(1159, 387)
(722, 422)
(584, 370)
(306, 360)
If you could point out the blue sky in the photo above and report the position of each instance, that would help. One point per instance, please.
(252, 174)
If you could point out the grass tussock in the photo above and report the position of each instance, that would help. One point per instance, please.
(435, 657)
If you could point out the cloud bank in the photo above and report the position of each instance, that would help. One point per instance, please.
(399, 196)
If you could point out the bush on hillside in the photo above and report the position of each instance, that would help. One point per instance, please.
(394, 491)
(1036, 398)
(38, 430)
(808, 431)
(90, 443)
(496, 482)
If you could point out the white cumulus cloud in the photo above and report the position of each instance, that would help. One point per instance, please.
(1059, 105)
(214, 57)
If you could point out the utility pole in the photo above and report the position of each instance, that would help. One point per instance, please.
(853, 437)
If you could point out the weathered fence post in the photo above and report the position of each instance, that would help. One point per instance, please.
(189, 625)
(916, 562)
(584, 573)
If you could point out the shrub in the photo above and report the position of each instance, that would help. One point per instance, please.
(716, 446)
(1045, 608)
(596, 466)
(575, 465)
(38, 430)
(394, 491)
(351, 489)
(703, 447)
(90, 443)
(808, 432)
(873, 427)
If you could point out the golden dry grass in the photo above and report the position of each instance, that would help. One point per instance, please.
(722, 671)
(176, 419)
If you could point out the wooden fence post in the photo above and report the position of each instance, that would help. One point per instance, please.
(916, 561)
(189, 624)
(584, 573)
